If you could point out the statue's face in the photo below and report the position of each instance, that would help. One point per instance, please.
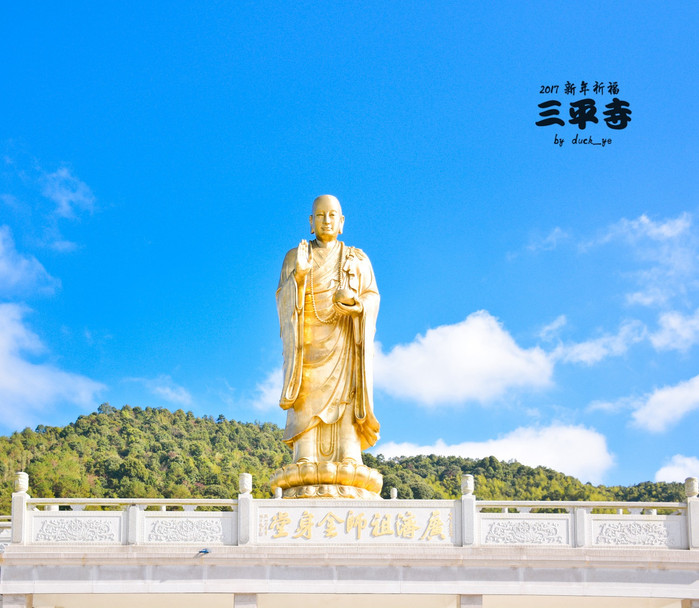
(327, 219)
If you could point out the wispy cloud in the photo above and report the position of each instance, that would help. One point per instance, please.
(643, 227)
(45, 200)
(614, 406)
(58, 243)
(678, 469)
(550, 332)
(538, 243)
(666, 406)
(28, 388)
(574, 450)
(165, 388)
(28, 385)
(268, 391)
(550, 241)
(609, 345)
(67, 192)
(669, 251)
(10, 201)
(21, 274)
(677, 331)
(475, 360)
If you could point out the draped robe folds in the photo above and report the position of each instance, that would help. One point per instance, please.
(328, 357)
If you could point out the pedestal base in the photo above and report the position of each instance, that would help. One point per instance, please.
(328, 480)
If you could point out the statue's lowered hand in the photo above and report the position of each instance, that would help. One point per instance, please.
(345, 302)
(344, 296)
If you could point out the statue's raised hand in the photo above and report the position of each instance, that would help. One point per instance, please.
(303, 259)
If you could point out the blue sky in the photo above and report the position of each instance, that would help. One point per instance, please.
(540, 302)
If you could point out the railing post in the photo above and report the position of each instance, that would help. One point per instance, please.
(581, 518)
(19, 508)
(691, 489)
(468, 511)
(245, 521)
(134, 524)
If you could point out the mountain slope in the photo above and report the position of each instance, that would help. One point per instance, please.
(153, 452)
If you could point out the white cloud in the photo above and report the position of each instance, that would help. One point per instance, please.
(63, 246)
(163, 386)
(475, 360)
(658, 231)
(678, 469)
(27, 388)
(666, 406)
(268, 391)
(173, 394)
(677, 331)
(608, 345)
(669, 249)
(67, 192)
(538, 243)
(45, 199)
(573, 450)
(643, 227)
(10, 201)
(19, 273)
(550, 331)
(550, 242)
(612, 407)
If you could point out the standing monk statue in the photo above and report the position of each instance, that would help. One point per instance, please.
(328, 301)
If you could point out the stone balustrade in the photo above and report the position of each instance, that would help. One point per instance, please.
(284, 553)
(464, 522)
(5, 531)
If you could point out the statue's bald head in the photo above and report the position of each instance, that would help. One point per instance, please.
(327, 199)
(326, 218)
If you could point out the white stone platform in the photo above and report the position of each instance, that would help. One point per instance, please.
(275, 552)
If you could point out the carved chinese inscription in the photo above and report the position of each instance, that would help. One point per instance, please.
(354, 525)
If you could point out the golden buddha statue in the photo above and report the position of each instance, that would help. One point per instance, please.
(328, 302)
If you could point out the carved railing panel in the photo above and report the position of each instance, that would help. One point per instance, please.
(668, 531)
(522, 529)
(66, 527)
(210, 528)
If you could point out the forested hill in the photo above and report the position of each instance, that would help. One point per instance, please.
(152, 452)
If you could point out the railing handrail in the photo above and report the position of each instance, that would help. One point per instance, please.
(481, 504)
(203, 502)
(578, 504)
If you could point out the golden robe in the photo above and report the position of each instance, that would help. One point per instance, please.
(328, 357)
